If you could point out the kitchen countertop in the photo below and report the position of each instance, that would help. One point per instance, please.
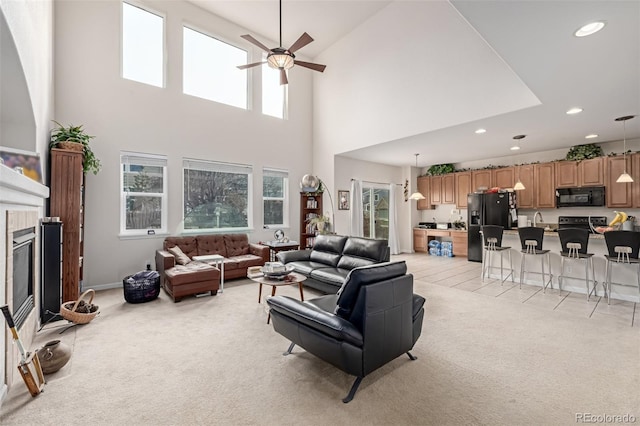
(552, 234)
(446, 230)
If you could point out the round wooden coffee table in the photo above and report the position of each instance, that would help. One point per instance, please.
(294, 278)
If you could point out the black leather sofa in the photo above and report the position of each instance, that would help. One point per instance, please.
(374, 318)
(332, 257)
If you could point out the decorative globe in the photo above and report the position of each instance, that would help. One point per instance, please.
(309, 183)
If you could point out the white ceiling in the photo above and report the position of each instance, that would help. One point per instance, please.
(534, 39)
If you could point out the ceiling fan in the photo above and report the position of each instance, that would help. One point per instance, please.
(280, 58)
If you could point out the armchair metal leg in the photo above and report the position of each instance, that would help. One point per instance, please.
(288, 352)
(354, 389)
(411, 357)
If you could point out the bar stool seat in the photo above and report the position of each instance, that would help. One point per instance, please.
(623, 247)
(492, 236)
(574, 242)
(531, 239)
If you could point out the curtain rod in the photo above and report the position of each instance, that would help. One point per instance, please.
(379, 183)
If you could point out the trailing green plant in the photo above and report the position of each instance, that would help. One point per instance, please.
(440, 169)
(71, 133)
(584, 152)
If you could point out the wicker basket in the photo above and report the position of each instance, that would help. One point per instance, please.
(71, 146)
(68, 310)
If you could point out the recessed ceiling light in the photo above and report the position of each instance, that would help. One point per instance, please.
(480, 131)
(515, 148)
(590, 28)
(574, 111)
(591, 136)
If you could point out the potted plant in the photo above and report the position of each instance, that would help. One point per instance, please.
(75, 138)
(320, 222)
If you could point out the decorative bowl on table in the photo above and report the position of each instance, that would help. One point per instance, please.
(277, 274)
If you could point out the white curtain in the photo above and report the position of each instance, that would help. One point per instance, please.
(393, 221)
(355, 221)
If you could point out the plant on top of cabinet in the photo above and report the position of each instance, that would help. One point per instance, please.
(440, 169)
(64, 137)
(584, 152)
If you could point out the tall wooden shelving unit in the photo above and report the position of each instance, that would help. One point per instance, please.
(310, 205)
(66, 200)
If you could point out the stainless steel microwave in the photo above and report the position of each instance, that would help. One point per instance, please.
(580, 197)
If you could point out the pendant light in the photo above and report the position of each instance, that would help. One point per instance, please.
(417, 195)
(624, 177)
(519, 186)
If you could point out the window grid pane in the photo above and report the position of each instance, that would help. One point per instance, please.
(274, 94)
(142, 45)
(143, 212)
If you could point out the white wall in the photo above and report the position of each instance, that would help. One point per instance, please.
(126, 115)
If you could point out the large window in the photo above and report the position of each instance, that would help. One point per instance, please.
(274, 95)
(217, 196)
(142, 45)
(143, 183)
(275, 200)
(375, 212)
(210, 69)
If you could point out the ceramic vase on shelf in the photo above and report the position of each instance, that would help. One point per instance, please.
(53, 356)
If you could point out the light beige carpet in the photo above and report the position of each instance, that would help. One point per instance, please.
(215, 361)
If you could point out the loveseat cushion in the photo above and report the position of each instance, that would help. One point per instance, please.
(362, 252)
(236, 244)
(305, 267)
(361, 276)
(211, 244)
(246, 260)
(191, 273)
(188, 245)
(330, 275)
(327, 249)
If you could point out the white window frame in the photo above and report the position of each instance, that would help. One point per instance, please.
(164, 42)
(137, 158)
(215, 166)
(285, 197)
(221, 40)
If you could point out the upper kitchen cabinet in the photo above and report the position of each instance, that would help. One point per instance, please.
(618, 194)
(463, 188)
(503, 177)
(526, 197)
(635, 174)
(424, 188)
(436, 190)
(591, 172)
(448, 194)
(567, 174)
(545, 182)
(480, 179)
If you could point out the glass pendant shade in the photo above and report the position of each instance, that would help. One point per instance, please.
(519, 186)
(280, 61)
(624, 177)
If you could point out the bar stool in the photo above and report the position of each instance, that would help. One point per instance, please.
(623, 247)
(574, 242)
(531, 241)
(492, 243)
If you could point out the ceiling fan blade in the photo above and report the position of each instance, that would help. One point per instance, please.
(250, 39)
(283, 77)
(255, 64)
(301, 42)
(311, 66)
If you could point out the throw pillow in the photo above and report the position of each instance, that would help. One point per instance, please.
(181, 258)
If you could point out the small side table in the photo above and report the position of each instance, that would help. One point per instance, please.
(297, 279)
(217, 261)
(277, 246)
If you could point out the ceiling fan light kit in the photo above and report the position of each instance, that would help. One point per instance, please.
(280, 58)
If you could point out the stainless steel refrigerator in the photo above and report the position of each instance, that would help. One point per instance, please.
(488, 209)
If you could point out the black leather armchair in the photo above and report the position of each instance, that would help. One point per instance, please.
(373, 319)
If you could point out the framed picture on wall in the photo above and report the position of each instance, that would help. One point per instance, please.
(24, 162)
(343, 200)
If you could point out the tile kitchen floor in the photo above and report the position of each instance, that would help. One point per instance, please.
(458, 273)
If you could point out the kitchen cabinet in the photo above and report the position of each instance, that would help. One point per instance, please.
(503, 177)
(463, 188)
(567, 174)
(424, 185)
(618, 194)
(448, 193)
(591, 172)
(526, 197)
(436, 190)
(545, 183)
(480, 178)
(635, 174)
(420, 240)
(460, 243)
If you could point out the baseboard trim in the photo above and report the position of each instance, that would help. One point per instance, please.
(100, 287)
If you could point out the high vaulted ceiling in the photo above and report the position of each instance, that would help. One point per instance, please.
(533, 39)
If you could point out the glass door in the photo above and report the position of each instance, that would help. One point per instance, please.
(375, 212)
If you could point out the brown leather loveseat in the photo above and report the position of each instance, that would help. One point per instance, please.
(180, 275)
